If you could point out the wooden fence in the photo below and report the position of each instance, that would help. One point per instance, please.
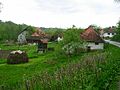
(4, 54)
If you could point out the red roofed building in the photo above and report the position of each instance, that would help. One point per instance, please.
(93, 38)
(39, 33)
(40, 38)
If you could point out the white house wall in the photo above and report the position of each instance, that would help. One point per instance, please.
(22, 39)
(93, 46)
(59, 39)
(108, 35)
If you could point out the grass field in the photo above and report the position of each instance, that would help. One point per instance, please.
(51, 61)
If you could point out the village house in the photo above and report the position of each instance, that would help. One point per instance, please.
(56, 38)
(108, 32)
(22, 36)
(59, 38)
(93, 39)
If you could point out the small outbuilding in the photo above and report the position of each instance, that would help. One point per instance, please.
(40, 38)
(94, 40)
(41, 42)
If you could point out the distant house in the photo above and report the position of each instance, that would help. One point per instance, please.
(93, 38)
(56, 38)
(109, 32)
(59, 38)
(22, 36)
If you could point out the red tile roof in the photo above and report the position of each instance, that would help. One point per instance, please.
(39, 33)
(38, 36)
(91, 35)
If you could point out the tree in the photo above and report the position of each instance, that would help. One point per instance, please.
(117, 36)
(72, 43)
(10, 31)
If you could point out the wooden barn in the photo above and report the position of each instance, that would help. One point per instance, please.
(40, 38)
(93, 38)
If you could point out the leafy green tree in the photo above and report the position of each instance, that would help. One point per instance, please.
(117, 36)
(72, 43)
(118, 27)
(10, 31)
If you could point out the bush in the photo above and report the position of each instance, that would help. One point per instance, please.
(73, 48)
(17, 57)
(116, 38)
(72, 43)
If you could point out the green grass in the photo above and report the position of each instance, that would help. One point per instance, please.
(3, 61)
(51, 62)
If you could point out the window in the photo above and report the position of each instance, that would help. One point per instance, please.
(112, 33)
(108, 33)
(96, 43)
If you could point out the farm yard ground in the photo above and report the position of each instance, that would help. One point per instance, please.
(51, 61)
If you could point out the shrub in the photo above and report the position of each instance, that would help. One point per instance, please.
(116, 38)
(72, 43)
(73, 48)
(17, 57)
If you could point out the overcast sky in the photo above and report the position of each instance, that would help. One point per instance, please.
(61, 13)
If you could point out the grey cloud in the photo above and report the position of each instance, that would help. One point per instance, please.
(64, 6)
(69, 6)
